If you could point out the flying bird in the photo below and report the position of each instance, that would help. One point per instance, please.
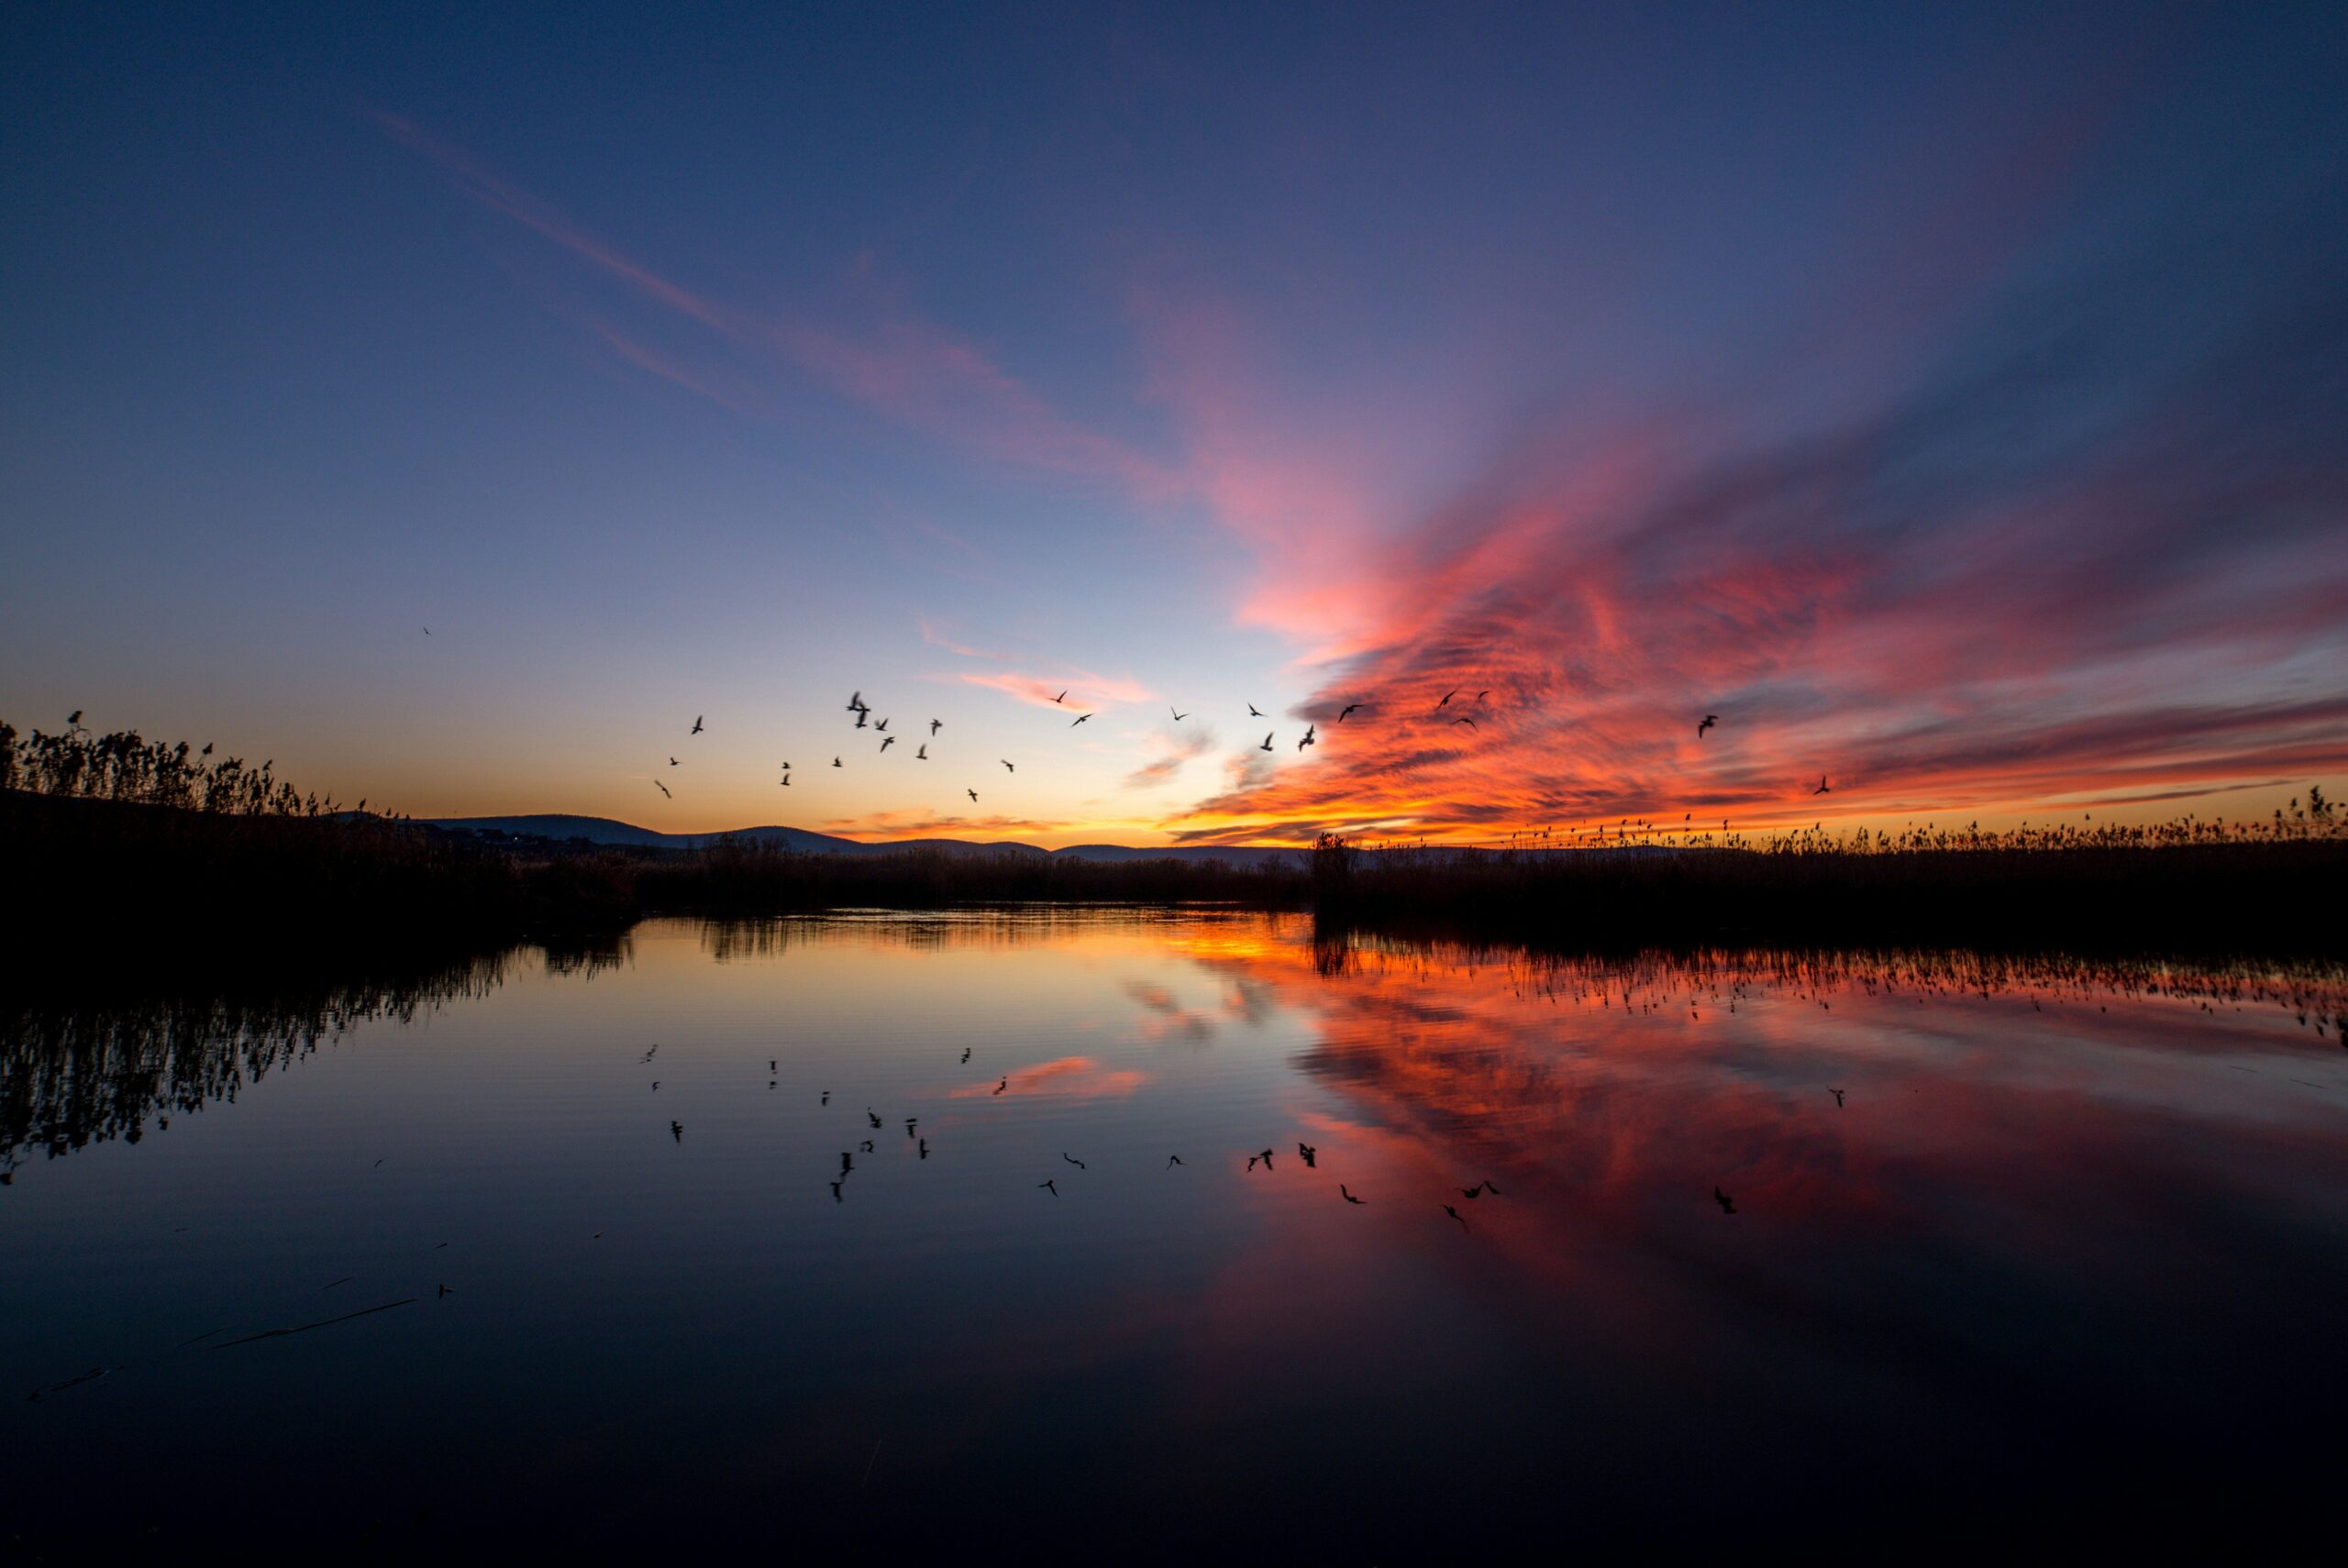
(1267, 744)
(935, 725)
(1178, 717)
(860, 716)
(887, 741)
(1078, 720)
(673, 762)
(662, 788)
(786, 780)
(1822, 789)
(921, 752)
(973, 794)
(1448, 696)
(856, 703)
(1710, 720)
(835, 762)
(1062, 697)
(1308, 1153)
(881, 728)
(696, 729)
(1308, 738)
(1455, 1215)
(1728, 1204)
(1348, 1196)
(1487, 691)
(1071, 1159)
(966, 1053)
(1469, 722)
(1349, 707)
(1838, 1098)
(1173, 1159)
(1006, 766)
(1254, 711)
(1049, 1187)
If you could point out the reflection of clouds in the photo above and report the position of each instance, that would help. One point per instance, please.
(1170, 1020)
(1075, 1077)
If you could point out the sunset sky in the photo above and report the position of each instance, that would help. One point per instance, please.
(1955, 401)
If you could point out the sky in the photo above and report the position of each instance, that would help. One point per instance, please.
(1952, 400)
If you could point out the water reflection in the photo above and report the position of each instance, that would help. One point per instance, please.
(743, 1223)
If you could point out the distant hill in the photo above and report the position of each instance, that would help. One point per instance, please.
(561, 828)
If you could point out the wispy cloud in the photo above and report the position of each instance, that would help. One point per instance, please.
(1083, 690)
(1169, 755)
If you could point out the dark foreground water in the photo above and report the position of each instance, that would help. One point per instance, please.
(2068, 1265)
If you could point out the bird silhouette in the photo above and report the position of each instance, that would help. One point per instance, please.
(881, 728)
(973, 794)
(1455, 1215)
(1254, 711)
(966, 1053)
(1267, 1157)
(1071, 1159)
(870, 1117)
(1307, 740)
(1838, 1098)
(847, 1162)
(1728, 1204)
(1469, 722)
(921, 752)
(662, 788)
(1179, 716)
(935, 725)
(856, 703)
(786, 780)
(1348, 1196)
(1709, 720)
(696, 729)
(673, 762)
(74, 718)
(1173, 1159)
(1308, 1154)
(1487, 691)
(924, 1148)
(1078, 720)
(1822, 789)
(677, 1130)
(1049, 1187)
(835, 1194)
(427, 630)
(1267, 742)
(1479, 1189)
(860, 717)
(1006, 766)
(887, 741)
(1448, 696)
(1349, 707)
(1004, 1085)
(827, 1097)
(1061, 698)
(835, 762)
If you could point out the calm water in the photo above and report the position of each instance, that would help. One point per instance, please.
(2069, 1259)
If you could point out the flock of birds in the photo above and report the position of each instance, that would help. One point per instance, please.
(862, 711)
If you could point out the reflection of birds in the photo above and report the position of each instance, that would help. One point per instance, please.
(1173, 1159)
(1049, 1187)
(1838, 1098)
(1822, 789)
(1348, 1196)
(1728, 1204)
(1267, 742)
(662, 788)
(1078, 720)
(1710, 720)
(1349, 707)
(1455, 1215)
(1071, 1159)
(696, 729)
(1308, 738)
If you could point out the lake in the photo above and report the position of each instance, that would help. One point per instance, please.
(727, 1238)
